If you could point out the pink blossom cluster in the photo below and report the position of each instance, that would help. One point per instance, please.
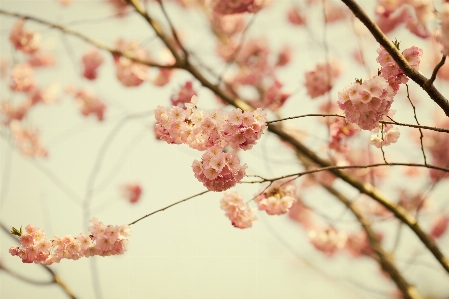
(88, 103)
(439, 226)
(35, 96)
(27, 140)
(130, 73)
(384, 137)
(201, 131)
(22, 78)
(92, 60)
(365, 103)
(227, 7)
(320, 80)
(340, 129)
(218, 170)
(414, 14)
(184, 95)
(278, 198)
(328, 240)
(273, 97)
(443, 36)
(391, 72)
(24, 40)
(29, 43)
(213, 131)
(132, 192)
(296, 17)
(237, 210)
(104, 240)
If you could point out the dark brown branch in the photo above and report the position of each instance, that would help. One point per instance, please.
(409, 71)
(436, 69)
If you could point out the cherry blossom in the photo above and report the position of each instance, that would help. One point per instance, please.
(27, 140)
(104, 241)
(278, 198)
(320, 80)
(92, 59)
(23, 40)
(130, 73)
(89, 104)
(237, 210)
(132, 192)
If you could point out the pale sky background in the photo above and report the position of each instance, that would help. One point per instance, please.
(190, 250)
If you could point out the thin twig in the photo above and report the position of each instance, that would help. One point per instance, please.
(85, 38)
(173, 204)
(421, 136)
(436, 69)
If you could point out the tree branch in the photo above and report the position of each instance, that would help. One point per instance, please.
(423, 82)
(86, 39)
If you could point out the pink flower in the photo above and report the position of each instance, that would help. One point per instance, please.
(92, 59)
(237, 211)
(105, 241)
(439, 226)
(27, 140)
(320, 80)
(327, 241)
(22, 78)
(89, 104)
(278, 198)
(132, 192)
(295, 17)
(22, 40)
(130, 73)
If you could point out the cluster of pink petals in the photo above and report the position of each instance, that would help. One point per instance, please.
(320, 80)
(358, 244)
(34, 97)
(284, 56)
(227, 7)
(414, 14)
(273, 97)
(213, 131)
(202, 131)
(132, 192)
(278, 198)
(24, 40)
(365, 103)
(237, 210)
(92, 59)
(328, 240)
(227, 25)
(340, 129)
(41, 59)
(184, 95)
(443, 36)
(217, 170)
(335, 13)
(130, 73)
(22, 78)
(27, 140)
(386, 137)
(439, 226)
(89, 104)
(391, 71)
(296, 17)
(103, 241)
